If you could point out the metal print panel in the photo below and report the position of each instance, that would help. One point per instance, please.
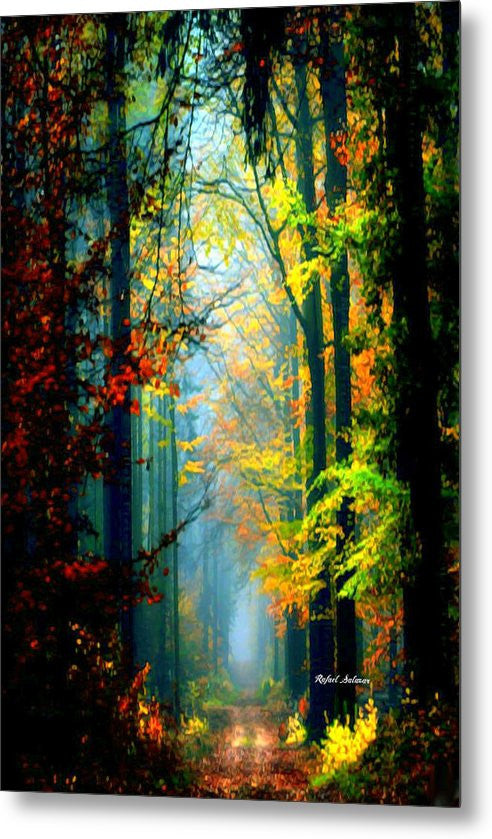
(230, 403)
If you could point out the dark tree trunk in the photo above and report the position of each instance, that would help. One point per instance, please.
(335, 120)
(321, 625)
(117, 524)
(295, 640)
(418, 460)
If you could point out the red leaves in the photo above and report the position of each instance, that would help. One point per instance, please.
(117, 388)
(303, 707)
(237, 47)
(155, 598)
(146, 368)
(124, 704)
(174, 390)
(79, 570)
(135, 407)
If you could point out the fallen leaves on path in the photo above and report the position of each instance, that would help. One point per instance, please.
(249, 761)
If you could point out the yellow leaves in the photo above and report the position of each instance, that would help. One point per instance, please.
(147, 283)
(251, 327)
(296, 731)
(452, 431)
(302, 275)
(191, 467)
(194, 467)
(290, 580)
(343, 745)
(282, 197)
(194, 726)
(190, 405)
(237, 306)
(277, 296)
(190, 445)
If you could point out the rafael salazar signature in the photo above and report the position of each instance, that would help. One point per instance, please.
(337, 680)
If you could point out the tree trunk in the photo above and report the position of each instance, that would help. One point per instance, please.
(321, 636)
(335, 120)
(117, 529)
(205, 602)
(295, 640)
(418, 459)
(174, 554)
(215, 616)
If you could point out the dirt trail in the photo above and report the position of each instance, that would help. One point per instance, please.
(249, 761)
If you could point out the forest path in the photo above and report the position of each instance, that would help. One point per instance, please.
(249, 760)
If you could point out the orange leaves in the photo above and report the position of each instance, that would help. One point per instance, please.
(135, 407)
(303, 707)
(338, 141)
(174, 390)
(117, 387)
(362, 366)
(106, 346)
(140, 678)
(237, 47)
(146, 368)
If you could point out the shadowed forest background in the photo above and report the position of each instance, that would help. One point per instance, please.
(230, 324)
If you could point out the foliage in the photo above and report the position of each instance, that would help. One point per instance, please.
(215, 690)
(411, 761)
(344, 745)
(296, 733)
(378, 560)
(194, 727)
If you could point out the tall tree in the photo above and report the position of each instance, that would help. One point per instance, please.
(118, 484)
(333, 96)
(418, 451)
(321, 623)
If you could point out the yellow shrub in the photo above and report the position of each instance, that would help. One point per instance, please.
(342, 745)
(194, 726)
(296, 731)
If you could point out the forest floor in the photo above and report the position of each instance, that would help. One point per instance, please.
(249, 760)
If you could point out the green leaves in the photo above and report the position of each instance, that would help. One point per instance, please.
(380, 555)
